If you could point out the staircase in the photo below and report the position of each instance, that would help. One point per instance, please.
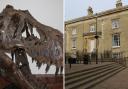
(88, 78)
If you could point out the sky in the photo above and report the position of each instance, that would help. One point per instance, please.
(78, 8)
(48, 12)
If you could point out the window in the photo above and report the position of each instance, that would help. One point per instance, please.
(73, 43)
(74, 32)
(115, 23)
(116, 40)
(92, 28)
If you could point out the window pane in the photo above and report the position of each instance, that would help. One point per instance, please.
(116, 40)
(115, 23)
(92, 28)
(74, 43)
(74, 32)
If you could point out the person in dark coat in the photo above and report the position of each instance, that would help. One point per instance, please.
(86, 59)
(70, 61)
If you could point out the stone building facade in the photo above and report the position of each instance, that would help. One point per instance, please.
(109, 27)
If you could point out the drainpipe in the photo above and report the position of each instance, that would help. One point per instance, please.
(96, 37)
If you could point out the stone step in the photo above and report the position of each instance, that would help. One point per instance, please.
(89, 74)
(85, 81)
(84, 72)
(99, 80)
(88, 69)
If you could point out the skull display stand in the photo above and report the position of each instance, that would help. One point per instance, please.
(46, 49)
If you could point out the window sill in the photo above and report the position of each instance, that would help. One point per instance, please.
(115, 46)
(115, 28)
(74, 34)
(73, 47)
(92, 31)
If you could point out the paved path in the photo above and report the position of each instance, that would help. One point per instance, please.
(78, 67)
(118, 81)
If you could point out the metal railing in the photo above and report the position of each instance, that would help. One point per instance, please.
(106, 56)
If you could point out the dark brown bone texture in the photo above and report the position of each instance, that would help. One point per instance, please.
(48, 49)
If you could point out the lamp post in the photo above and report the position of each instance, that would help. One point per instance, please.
(96, 37)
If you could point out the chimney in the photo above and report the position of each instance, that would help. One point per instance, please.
(90, 11)
(118, 3)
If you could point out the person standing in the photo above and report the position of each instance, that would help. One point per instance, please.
(70, 62)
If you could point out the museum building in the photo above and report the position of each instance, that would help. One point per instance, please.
(103, 32)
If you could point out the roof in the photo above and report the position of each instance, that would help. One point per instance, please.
(100, 14)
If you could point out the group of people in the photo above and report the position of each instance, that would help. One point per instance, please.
(73, 59)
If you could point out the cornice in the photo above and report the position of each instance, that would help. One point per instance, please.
(100, 14)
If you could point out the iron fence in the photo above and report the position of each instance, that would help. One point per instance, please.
(106, 56)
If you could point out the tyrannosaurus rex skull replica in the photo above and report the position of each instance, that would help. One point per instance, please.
(48, 48)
